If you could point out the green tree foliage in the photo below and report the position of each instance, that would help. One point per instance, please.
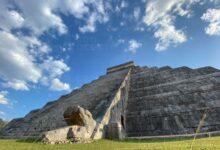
(2, 124)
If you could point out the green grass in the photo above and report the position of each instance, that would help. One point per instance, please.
(168, 144)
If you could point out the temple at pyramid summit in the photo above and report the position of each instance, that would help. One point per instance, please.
(129, 101)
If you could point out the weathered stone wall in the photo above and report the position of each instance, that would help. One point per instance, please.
(166, 101)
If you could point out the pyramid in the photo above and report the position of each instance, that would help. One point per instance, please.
(130, 101)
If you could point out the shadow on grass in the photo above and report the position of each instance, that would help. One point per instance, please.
(154, 140)
(29, 140)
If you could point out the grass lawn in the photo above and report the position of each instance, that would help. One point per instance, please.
(174, 144)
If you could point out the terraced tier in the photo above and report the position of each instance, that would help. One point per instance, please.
(166, 101)
(94, 96)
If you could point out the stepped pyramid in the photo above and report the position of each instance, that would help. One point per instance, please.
(135, 102)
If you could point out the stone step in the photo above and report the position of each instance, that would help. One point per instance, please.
(156, 72)
(137, 73)
(167, 133)
(168, 109)
(173, 136)
(174, 89)
(172, 123)
(150, 72)
(177, 71)
(164, 111)
(173, 95)
(173, 131)
(214, 78)
(167, 78)
(170, 89)
(205, 99)
(165, 96)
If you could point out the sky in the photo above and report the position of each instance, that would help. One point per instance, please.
(50, 47)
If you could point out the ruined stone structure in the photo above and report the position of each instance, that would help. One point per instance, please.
(129, 102)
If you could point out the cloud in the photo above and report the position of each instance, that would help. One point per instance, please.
(11, 19)
(16, 63)
(120, 5)
(17, 85)
(121, 41)
(98, 15)
(212, 16)
(77, 36)
(90, 26)
(2, 113)
(168, 35)
(133, 46)
(48, 18)
(160, 17)
(57, 85)
(25, 60)
(75, 7)
(3, 99)
(54, 68)
(124, 4)
(23, 57)
(137, 12)
(90, 11)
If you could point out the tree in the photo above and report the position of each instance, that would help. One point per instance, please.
(2, 124)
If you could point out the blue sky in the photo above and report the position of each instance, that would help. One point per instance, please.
(50, 47)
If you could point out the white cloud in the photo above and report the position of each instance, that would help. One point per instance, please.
(212, 16)
(16, 63)
(3, 99)
(161, 15)
(167, 35)
(124, 4)
(90, 26)
(120, 6)
(98, 15)
(54, 68)
(137, 12)
(77, 36)
(2, 113)
(17, 85)
(121, 41)
(24, 60)
(39, 16)
(91, 11)
(133, 46)
(9, 18)
(57, 85)
(75, 7)
(44, 48)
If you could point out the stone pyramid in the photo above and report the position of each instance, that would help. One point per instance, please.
(134, 102)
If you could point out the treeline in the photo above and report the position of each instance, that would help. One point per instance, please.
(2, 124)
